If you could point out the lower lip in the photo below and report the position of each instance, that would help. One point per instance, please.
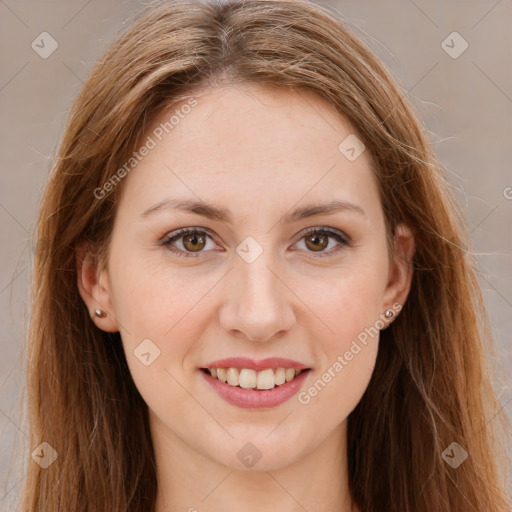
(256, 399)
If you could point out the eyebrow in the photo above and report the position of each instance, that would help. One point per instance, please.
(222, 214)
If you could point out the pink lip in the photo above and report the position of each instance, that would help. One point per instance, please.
(250, 364)
(252, 398)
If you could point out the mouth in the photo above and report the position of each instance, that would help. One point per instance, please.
(255, 389)
(247, 378)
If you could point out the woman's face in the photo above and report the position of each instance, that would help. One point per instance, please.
(260, 167)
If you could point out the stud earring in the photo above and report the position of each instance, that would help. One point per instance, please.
(99, 313)
(389, 313)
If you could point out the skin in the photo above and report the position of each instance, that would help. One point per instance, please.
(260, 153)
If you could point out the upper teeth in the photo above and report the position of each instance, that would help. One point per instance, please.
(250, 379)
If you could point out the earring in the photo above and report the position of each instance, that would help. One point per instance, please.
(389, 313)
(99, 313)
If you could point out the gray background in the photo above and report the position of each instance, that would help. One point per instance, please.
(466, 103)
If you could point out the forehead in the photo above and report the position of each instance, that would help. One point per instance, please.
(255, 146)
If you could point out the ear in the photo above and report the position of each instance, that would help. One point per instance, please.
(400, 270)
(94, 287)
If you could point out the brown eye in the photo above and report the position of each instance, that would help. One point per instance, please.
(317, 242)
(194, 242)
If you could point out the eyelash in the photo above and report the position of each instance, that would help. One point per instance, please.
(341, 238)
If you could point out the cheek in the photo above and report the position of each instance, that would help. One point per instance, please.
(348, 350)
(349, 307)
(158, 323)
(348, 303)
(340, 384)
(153, 300)
(161, 313)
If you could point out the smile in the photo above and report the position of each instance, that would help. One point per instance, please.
(251, 379)
(262, 387)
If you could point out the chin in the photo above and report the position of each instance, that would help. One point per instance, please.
(258, 455)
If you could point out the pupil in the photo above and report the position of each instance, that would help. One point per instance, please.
(194, 239)
(315, 240)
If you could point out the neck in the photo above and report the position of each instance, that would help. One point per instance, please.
(195, 482)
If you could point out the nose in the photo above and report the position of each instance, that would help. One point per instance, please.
(260, 306)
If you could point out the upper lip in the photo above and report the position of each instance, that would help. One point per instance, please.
(262, 364)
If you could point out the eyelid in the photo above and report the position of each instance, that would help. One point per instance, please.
(330, 231)
(341, 238)
(181, 232)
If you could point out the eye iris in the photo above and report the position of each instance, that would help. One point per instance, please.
(194, 237)
(314, 238)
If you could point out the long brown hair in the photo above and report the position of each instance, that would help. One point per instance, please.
(431, 385)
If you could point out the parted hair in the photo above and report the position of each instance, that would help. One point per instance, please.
(432, 384)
